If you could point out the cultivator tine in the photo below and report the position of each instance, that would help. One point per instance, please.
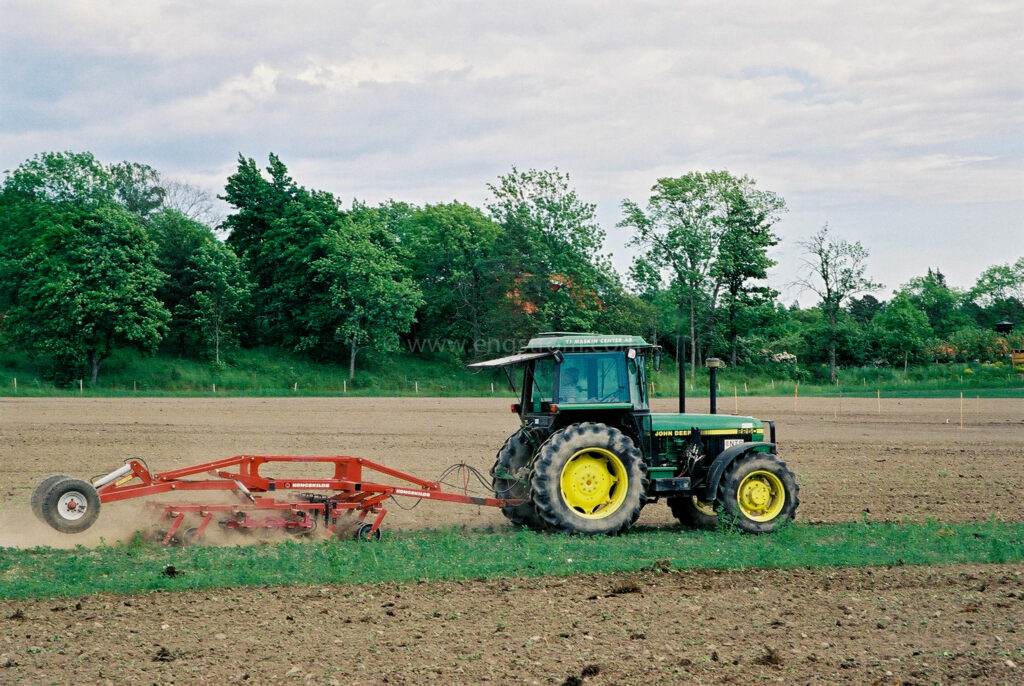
(174, 528)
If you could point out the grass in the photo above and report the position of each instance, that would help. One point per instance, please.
(139, 567)
(267, 372)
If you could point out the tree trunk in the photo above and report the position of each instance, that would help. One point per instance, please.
(693, 339)
(832, 346)
(352, 361)
(96, 361)
(216, 344)
(906, 361)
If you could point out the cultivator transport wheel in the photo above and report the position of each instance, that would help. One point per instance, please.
(70, 505)
(589, 479)
(40, 492)
(691, 511)
(758, 492)
(509, 480)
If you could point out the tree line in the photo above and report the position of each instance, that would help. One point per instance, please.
(94, 257)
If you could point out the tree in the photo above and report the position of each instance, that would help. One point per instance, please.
(91, 287)
(901, 329)
(177, 238)
(943, 305)
(863, 309)
(999, 294)
(452, 253)
(219, 294)
(835, 270)
(279, 231)
(370, 298)
(137, 187)
(551, 262)
(708, 233)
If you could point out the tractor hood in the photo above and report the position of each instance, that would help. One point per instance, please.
(681, 424)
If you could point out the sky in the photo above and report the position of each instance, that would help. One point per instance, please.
(900, 124)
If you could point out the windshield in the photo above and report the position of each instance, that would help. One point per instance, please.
(594, 378)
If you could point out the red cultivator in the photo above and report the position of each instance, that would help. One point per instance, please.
(71, 505)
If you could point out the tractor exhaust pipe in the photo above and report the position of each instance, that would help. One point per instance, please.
(713, 363)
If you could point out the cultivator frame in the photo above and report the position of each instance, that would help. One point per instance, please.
(320, 501)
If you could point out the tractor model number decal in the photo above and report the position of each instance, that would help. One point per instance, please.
(415, 494)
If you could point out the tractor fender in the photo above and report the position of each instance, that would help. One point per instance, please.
(722, 462)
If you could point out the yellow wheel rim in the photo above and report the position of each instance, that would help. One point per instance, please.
(761, 496)
(594, 483)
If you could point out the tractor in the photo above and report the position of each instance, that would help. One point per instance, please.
(590, 454)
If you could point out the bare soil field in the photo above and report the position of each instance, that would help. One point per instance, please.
(911, 460)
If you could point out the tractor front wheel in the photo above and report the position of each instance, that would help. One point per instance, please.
(510, 480)
(589, 479)
(692, 511)
(758, 492)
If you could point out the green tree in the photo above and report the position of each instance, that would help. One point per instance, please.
(999, 294)
(370, 298)
(219, 295)
(943, 305)
(452, 253)
(551, 261)
(708, 233)
(91, 288)
(835, 270)
(901, 330)
(137, 187)
(177, 238)
(279, 230)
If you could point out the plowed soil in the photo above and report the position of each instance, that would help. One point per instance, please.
(905, 459)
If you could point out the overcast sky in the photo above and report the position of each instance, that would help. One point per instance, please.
(901, 124)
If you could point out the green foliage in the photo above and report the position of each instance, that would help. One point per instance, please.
(835, 270)
(370, 299)
(453, 252)
(708, 234)
(218, 297)
(900, 331)
(550, 247)
(460, 554)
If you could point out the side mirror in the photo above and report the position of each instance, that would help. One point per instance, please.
(657, 359)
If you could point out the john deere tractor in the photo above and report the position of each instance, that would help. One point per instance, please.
(590, 454)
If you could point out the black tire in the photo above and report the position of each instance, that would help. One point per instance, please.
(589, 479)
(362, 533)
(758, 492)
(510, 479)
(70, 505)
(693, 512)
(40, 492)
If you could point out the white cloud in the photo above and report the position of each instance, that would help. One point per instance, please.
(847, 109)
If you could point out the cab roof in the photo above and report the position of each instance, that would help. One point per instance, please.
(563, 340)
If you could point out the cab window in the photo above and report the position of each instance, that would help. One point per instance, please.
(593, 378)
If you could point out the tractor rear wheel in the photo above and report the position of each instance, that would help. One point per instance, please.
(70, 505)
(758, 492)
(511, 480)
(589, 479)
(40, 491)
(692, 511)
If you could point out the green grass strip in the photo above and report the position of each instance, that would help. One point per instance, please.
(446, 555)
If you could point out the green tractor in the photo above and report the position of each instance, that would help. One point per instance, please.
(590, 454)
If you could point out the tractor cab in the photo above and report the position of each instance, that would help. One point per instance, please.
(560, 376)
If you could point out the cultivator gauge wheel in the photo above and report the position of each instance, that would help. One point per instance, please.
(70, 505)
(40, 492)
(366, 532)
